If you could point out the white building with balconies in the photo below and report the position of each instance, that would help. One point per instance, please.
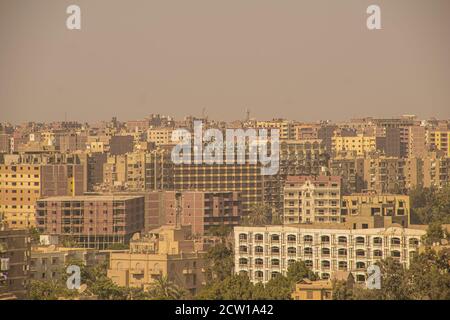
(264, 252)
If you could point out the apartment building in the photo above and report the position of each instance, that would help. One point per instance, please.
(436, 170)
(5, 143)
(21, 184)
(358, 145)
(351, 171)
(264, 252)
(167, 251)
(121, 144)
(384, 174)
(49, 262)
(200, 210)
(440, 140)
(306, 131)
(372, 210)
(91, 221)
(286, 127)
(160, 136)
(309, 199)
(14, 257)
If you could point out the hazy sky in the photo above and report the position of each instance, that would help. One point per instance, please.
(300, 59)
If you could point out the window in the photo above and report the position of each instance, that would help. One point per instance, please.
(243, 261)
(325, 251)
(259, 262)
(275, 238)
(360, 253)
(377, 241)
(243, 237)
(308, 251)
(342, 240)
(242, 249)
(342, 252)
(395, 254)
(291, 238)
(343, 265)
(292, 250)
(275, 250)
(359, 240)
(259, 237)
(395, 241)
(275, 262)
(308, 238)
(259, 249)
(377, 253)
(325, 239)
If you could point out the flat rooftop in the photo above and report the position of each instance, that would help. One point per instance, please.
(92, 198)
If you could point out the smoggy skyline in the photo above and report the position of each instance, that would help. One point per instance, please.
(303, 60)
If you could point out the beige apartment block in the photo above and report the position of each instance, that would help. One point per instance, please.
(440, 140)
(49, 262)
(358, 145)
(286, 127)
(14, 257)
(160, 135)
(373, 210)
(168, 251)
(309, 199)
(22, 184)
(264, 252)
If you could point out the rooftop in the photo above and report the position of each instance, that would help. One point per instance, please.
(92, 198)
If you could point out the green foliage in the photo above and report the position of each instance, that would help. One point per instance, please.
(34, 235)
(118, 246)
(428, 278)
(47, 290)
(435, 233)
(234, 287)
(238, 286)
(164, 289)
(222, 231)
(299, 271)
(220, 262)
(279, 288)
(260, 215)
(429, 205)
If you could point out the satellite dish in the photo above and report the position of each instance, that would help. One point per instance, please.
(82, 288)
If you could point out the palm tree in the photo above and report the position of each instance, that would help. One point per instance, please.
(164, 289)
(260, 215)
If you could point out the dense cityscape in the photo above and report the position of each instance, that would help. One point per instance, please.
(347, 198)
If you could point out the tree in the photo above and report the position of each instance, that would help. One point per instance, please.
(34, 235)
(45, 290)
(164, 289)
(222, 231)
(430, 205)
(435, 233)
(234, 287)
(220, 263)
(429, 276)
(260, 215)
(299, 271)
(279, 288)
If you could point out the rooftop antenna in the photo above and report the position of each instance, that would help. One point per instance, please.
(247, 114)
(204, 113)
